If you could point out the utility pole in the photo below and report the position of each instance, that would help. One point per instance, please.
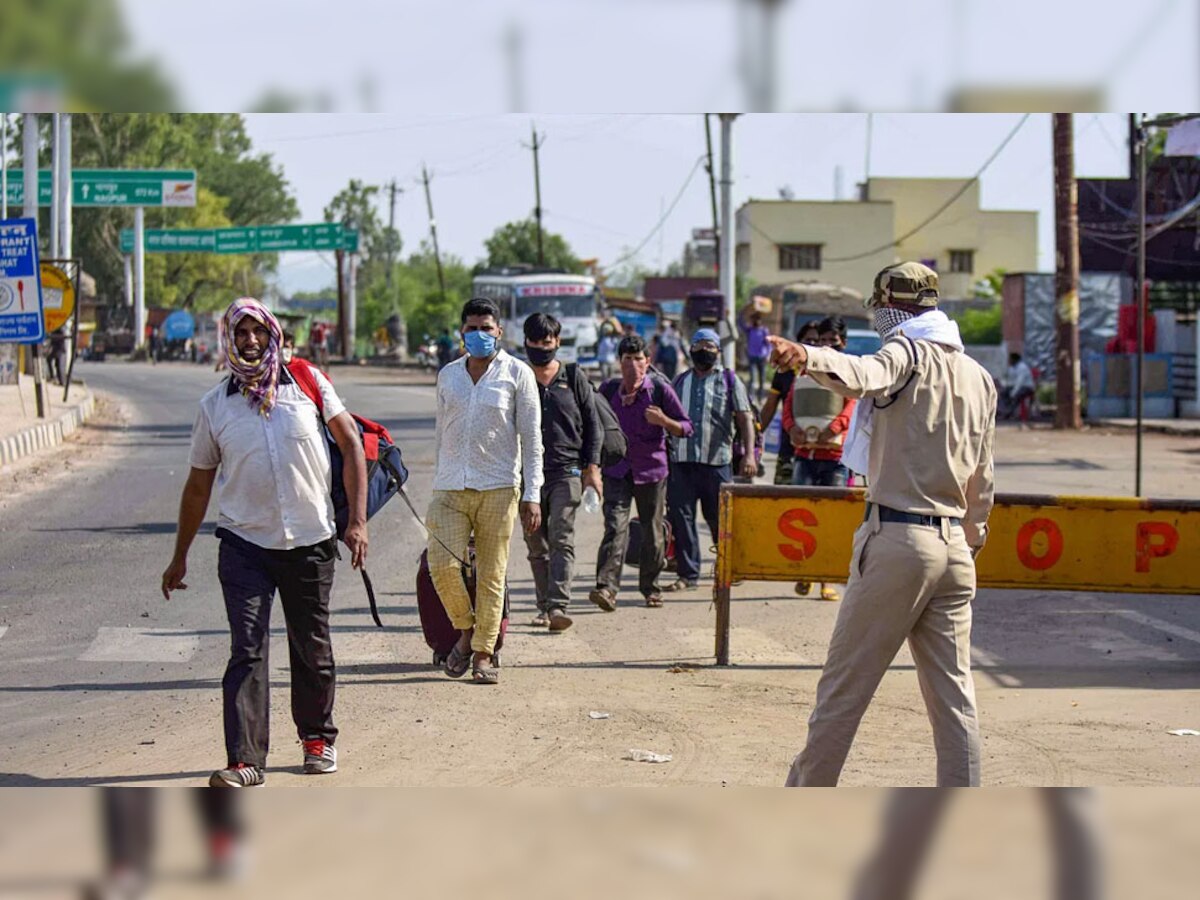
(437, 254)
(3, 165)
(866, 185)
(402, 327)
(55, 183)
(728, 239)
(537, 188)
(1140, 384)
(340, 256)
(712, 193)
(1066, 280)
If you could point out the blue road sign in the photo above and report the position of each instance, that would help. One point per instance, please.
(20, 283)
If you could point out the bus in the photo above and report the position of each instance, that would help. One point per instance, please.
(520, 291)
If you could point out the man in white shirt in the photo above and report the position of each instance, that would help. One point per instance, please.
(488, 451)
(1018, 384)
(260, 439)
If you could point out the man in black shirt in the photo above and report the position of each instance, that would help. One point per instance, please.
(572, 435)
(780, 385)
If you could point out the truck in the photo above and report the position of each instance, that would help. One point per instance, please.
(573, 300)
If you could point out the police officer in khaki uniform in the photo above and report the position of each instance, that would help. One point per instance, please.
(923, 435)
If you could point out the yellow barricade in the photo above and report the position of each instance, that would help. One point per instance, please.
(1055, 543)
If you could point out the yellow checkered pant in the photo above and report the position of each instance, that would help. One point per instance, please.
(453, 516)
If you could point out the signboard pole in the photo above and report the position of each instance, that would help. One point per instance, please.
(55, 181)
(3, 165)
(139, 278)
(352, 305)
(76, 268)
(128, 280)
(30, 154)
(65, 237)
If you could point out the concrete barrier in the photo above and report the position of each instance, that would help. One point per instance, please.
(1109, 544)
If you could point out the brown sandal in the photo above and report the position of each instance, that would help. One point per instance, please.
(654, 601)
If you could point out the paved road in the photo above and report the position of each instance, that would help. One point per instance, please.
(102, 682)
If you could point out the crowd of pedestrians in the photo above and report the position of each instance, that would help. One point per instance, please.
(521, 438)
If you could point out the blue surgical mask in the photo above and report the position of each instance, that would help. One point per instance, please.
(480, 344)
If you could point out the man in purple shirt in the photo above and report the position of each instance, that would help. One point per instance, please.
(648, 409)
(758, 351)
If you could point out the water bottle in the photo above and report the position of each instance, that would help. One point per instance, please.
(591, 500)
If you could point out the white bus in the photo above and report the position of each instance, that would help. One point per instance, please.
(520, 291)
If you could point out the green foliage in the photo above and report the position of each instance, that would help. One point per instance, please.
(516, 242)
(236, 187)
(85, 43)
(979, 326)
(990, 287)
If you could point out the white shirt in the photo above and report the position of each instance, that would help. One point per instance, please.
(488, 433)
(273, 487)
(1020, 377)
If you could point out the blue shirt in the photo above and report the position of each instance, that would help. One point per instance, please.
(711, 408)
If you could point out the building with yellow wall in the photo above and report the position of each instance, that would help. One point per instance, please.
(846, 242)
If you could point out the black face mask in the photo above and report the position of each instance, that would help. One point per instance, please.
(539, 356)
(704, 359)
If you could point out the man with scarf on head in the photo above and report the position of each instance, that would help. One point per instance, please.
(488, 452)
(923, 433)
(259, 438)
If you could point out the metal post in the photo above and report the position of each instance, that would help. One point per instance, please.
(1141, 304)
(728, 279)
(55, 183)
(352, 305)
(437, 254)
(340, 255)
(712, 196)
(537, 188)
(139, 278)
(1066, 281)
(66, 201)
(128, 280)
(29, 164)
(3, 165)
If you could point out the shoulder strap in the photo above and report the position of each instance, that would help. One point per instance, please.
(307, 382)
(915, 353)
(608, 390)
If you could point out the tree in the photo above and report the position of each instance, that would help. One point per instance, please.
(516, 242)
(84, 42)
(235, 187)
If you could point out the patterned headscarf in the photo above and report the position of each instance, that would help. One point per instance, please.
(258, 381)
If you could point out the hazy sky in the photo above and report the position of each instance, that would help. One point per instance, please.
(607, 179)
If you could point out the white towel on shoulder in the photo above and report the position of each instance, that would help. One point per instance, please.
(934, 326)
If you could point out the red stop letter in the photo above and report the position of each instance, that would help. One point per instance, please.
(789, 527)
(1154, 539)
(1054, 544)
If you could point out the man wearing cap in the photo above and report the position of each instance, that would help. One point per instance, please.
(714, 399)
(924, 436)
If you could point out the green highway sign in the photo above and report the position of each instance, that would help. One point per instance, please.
(113, 187)
(250, 239)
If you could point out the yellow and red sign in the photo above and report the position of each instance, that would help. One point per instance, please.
(58, 297)
(1054, 543)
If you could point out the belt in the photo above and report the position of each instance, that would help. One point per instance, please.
(887, 514)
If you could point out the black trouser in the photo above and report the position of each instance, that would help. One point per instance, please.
(552, 546)
(130, 828)
(689, 483)
(619, 496)
(250, 575)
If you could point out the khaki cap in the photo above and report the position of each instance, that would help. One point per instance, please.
(908, 282)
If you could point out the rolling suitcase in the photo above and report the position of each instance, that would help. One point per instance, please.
(440, 634)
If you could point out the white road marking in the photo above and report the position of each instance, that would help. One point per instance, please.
(990, 666)
(152, 645)
(3, 628)
(1170, 628)
(368, 647)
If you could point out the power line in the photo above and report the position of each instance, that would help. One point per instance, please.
(941, 209)
(666, 215)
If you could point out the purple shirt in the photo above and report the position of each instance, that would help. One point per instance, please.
(756, 342)
(647, 455)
